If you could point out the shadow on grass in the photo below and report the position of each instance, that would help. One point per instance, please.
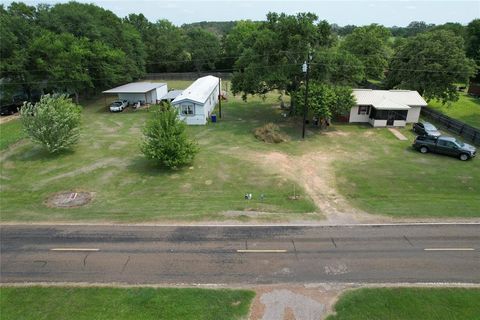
(147, 167)
(39, 153)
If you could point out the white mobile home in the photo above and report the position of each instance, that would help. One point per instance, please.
(197, 102)
(147, 92)
(383, 108)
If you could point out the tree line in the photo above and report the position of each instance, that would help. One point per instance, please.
(82, 48)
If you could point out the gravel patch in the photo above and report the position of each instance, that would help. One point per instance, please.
(279, 303)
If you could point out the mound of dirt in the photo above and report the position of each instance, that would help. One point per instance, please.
(69, 199)
(270, 133)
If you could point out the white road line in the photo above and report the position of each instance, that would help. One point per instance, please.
(261, 251)
(449, 249)
(74, 249)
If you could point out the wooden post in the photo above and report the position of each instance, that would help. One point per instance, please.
(220, 97)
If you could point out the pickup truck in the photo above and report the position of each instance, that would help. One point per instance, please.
(445, 145)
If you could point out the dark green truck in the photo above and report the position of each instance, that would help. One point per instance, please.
(445, 145)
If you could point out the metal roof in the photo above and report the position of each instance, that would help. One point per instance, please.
(389, 99)
(136, 87)
(172, 94)
(199, 91)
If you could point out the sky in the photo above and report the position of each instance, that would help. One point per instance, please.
(388, 13)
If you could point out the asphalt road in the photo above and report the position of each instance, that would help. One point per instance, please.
(240, 255)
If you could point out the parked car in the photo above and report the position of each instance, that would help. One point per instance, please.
(118, 105)
(426, 129)
(445, 145)
(9, 109)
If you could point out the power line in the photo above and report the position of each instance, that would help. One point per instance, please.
(222, 58)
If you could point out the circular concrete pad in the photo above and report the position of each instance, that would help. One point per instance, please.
(69, 199)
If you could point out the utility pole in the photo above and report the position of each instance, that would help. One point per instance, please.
(305, 69)
(220, 97)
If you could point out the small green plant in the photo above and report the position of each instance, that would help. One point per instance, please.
(165, 139)
(270, 133)
(53, 122)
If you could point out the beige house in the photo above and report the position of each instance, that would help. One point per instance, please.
(382, 108)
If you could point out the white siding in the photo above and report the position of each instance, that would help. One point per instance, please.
(132, 97)
(413, 114)
(355, 117)
(379, 123)
(162, 91)
(399, 123)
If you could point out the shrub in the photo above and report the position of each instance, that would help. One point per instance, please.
(165, 139)
(53, 122)
(270, 133)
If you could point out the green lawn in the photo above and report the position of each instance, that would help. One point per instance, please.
(466, 109)
(58, 303)
(127, 187)
(408, 304)
(10, 132)
(372, 169)
(396, 180)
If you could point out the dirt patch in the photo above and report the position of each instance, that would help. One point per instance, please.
(69, 199)
(295, 302)
(314, 172)
(5, 119)
(86, 169)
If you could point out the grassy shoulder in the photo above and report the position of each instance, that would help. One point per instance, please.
(123, 303)
(408, 304)
(466, 109)
(10, 132)
(396, 180)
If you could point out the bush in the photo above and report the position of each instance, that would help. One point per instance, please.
(270, 133)
(165, 139)
(53, 122)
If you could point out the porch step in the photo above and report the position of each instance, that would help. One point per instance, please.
(397, 134)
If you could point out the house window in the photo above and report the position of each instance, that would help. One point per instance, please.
(363, 109)
(187, 110)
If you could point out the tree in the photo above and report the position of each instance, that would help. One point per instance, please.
(338, 67)
(53, 122)
(431, 63)
(165, 139)
(204, 48)
(417, 27)
(63, 61)
(370, 45)
(237, 40)
(326, 101)
(279, 47)
(473, 43)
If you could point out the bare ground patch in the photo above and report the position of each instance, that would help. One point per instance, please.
(116, 162)
(69, 199)
(315, 173)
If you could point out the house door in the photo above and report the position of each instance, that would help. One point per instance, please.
(391, 118)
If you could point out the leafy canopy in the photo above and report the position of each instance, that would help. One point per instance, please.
(431, 63)
(277, 49)
(370, 45)
(53, 122)
(165, 139)
(326, 101)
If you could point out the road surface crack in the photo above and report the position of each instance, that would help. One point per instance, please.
(334, 243)
(295, 249)
(408, 240)
(85, 259)
(125, 264)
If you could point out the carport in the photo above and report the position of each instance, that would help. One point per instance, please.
(146, 92)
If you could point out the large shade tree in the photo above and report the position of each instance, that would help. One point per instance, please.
(279, 47)
(370, 45)
(431, 63)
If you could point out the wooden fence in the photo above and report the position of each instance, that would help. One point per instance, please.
(186, 75)
(460, 128)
